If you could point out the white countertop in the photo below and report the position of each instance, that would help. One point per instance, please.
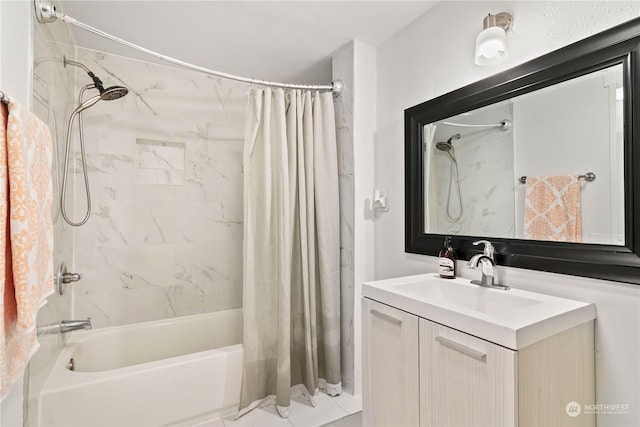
(512, 318)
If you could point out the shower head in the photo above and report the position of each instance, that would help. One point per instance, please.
(444, 145)
(108, 94)
(113, 92)
(447, 145)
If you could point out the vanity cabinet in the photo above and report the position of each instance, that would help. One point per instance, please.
(419, 372)
(390, 366)
(464, 380)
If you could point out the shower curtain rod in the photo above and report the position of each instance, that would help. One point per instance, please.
(503, 125)
(47, 13)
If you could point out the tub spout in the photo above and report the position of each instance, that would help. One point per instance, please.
(74, 325)
(65, 326)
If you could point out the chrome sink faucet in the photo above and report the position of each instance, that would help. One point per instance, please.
(488, 263)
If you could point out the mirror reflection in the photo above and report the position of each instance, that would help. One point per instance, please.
(546, 165)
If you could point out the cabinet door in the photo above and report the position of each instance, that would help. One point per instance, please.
(465, 381)
(390, 366)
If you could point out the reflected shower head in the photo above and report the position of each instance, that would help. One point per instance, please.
(444, 145)
(447, 145)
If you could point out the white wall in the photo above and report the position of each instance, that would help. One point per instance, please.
(15, 80)
(433, 56)
(364, 113)
(16, 50)
(571, 129)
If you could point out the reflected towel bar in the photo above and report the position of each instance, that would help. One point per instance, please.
(3, 98)
(589, 176)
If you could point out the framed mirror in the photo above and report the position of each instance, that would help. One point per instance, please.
(541, 159)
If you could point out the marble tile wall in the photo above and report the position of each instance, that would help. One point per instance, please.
(53, 101)
(169, 243)
(159, 162)
(343, 65)
(165, 169)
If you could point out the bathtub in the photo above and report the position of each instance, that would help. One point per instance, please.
(173, 372)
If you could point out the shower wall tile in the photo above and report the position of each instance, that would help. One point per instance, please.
(343, 68)
(53, 101)
(165, 168)
(159, 162)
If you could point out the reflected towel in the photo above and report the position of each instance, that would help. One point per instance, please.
(26, 236)
(552, 208)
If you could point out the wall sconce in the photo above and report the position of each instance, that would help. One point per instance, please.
(491, 44)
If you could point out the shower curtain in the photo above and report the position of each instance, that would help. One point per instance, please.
(291, 255)
(431, 193)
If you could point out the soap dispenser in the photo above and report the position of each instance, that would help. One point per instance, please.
(447, 260)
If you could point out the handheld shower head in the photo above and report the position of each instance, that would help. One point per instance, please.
(111, 93)
(444, 145)
(86, 104)
(447, 145)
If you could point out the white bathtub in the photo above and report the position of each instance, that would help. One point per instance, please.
(179, 371)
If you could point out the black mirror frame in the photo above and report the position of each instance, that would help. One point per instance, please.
(618, 45)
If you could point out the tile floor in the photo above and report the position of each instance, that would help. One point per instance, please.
(328, 410)
(354, 420)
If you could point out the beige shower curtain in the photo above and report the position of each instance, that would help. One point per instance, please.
(291, 270)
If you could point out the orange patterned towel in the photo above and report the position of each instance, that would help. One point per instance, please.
(552, 208)
(26, 236)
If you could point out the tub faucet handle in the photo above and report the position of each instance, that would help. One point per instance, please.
(63, 277)
(70, 277)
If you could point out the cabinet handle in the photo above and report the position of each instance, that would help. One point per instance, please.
(386, 316)
(461, 348)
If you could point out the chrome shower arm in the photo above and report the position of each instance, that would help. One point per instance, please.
(96, 80)
(66, 61)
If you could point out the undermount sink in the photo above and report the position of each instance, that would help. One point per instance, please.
(512, 318)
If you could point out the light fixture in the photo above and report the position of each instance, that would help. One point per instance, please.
(491, 44)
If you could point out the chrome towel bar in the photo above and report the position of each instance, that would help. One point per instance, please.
(589, 177)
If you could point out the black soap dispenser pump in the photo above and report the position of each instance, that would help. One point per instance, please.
(447, 260)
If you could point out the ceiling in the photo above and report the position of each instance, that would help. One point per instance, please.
(288, 41)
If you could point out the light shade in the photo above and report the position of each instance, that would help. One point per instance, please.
(491, 46)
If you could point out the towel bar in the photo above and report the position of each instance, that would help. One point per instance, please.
(589, 176)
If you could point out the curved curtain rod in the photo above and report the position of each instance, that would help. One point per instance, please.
(47, 13)
(503, 125)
